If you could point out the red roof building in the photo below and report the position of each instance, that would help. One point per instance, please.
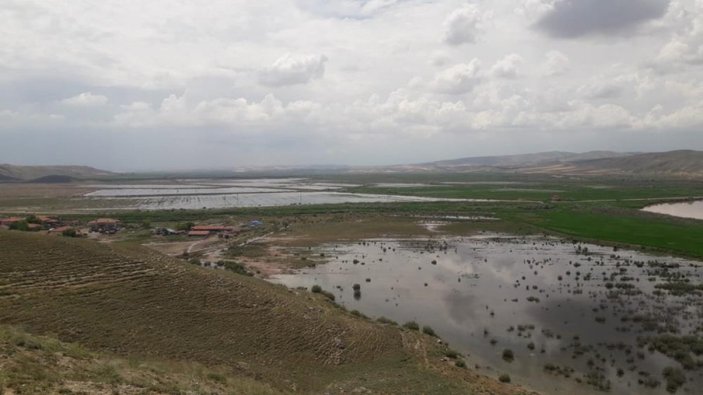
(10, 220)
(212, 228)
(196, 233)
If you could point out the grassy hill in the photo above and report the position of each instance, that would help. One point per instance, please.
(35, 172)
(135, 303)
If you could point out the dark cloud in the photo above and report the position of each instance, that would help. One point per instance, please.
(576, 18)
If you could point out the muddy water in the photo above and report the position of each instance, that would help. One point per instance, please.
(550, 301)
(684, 209)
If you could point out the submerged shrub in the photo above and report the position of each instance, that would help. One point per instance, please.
(508, 355)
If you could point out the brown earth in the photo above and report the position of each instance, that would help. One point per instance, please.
(136, 303)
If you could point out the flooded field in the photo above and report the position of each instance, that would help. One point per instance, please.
(683, 209)
(558, 317)
(240, 193)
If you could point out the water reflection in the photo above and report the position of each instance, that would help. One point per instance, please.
(549, 301)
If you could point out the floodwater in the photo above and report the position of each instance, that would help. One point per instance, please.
(166, 202)
(549, 301)
(692, 209)
(214, 194)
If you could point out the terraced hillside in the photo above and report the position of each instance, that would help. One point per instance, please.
(138, 304)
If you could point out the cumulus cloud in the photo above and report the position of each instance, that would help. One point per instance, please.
(577, 18)
(85, 99)
(292, 70)
(556, 63)
(508, 67)
(463, 25)
(458, 79)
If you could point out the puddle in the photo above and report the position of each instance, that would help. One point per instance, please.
(683, 209)
(554, 304)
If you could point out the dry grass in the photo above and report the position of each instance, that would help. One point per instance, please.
(136, 303)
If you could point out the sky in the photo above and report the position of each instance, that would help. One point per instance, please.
(182, 84)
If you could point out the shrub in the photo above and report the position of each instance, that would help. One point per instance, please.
(412, 325)
(504, 378)
(316, 289)
(429, 331)
(328, 295)
(69, 233)
(508, 355)
(385, 320)
(235, 267)
(451, 354)
(460, 364)
(675, 378)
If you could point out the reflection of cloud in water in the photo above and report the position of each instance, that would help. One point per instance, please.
(461, 306)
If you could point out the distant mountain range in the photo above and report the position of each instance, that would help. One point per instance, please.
(523, 160)
(48, 174)
(682, 163)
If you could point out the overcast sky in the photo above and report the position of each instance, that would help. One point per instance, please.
(175, 84)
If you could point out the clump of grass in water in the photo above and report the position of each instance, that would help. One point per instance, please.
(508, 355)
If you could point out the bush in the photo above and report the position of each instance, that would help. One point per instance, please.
(429, 331)
(460, 364)
(412, 325)
(508, 355)
(235, 267)
(20, 225)
(675, 378)
(385, 320)
(451, 354)
(504, 378)
(69, 233)
(316, 289)
(184, 226)
(330, 296)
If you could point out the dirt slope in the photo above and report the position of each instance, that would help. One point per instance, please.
(137, 303)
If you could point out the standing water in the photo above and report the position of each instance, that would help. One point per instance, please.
(683, 209)
(577, 318)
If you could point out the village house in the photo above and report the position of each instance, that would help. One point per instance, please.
(105, 225)
(207, 230)
(6, 222)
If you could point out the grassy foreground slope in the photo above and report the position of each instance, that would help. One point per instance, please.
(43, 365)
(136, 304)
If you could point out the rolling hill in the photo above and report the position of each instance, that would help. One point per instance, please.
(680, 164)
(25, 173)
(133, 303)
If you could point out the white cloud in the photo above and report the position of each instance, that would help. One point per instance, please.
(398, 70)
(458, 79)
(556, 63)
(85, 99)
(507, 67)
(292, 70)
(463, 25)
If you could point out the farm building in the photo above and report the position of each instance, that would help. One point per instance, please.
(212, 228)
(48, 222)
(10, 220)
(198, 233)
(105, 225)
